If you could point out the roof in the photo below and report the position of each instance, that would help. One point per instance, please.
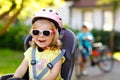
(86, 3)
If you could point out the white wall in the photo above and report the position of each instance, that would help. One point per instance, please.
(64, 11)
(117, 23)
(76, 18)
(97, 19)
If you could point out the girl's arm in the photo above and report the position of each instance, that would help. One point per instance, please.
(21, 70)
(54, 71)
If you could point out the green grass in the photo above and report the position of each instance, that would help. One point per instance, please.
(9, 60)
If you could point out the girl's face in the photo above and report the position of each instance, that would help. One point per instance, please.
(43, 32)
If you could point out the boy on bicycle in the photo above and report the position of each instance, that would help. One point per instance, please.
(85, 39)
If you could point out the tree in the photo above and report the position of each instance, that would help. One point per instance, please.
(15, 8)
(13, 18)
(114, 4)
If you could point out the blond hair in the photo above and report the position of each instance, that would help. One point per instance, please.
(56, 43)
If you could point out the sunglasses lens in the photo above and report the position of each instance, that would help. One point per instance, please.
(46, 33)
(35, 32)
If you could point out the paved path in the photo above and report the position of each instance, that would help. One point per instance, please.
(96, 74)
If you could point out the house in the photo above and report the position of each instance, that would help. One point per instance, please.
(88, 12)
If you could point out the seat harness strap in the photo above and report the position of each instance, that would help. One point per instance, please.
(49, 65)
(33, 63)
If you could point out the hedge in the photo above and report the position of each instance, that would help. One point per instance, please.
(14, 38)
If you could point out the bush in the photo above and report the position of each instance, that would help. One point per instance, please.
(104, 37)
(14, 38)
(117, 41)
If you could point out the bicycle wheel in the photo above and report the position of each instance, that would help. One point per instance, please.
(106, 60)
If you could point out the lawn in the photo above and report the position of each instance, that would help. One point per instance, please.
(9, 60)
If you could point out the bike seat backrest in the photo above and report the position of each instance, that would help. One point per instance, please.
(69, 43)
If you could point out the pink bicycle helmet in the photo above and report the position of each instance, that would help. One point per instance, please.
(50, 15)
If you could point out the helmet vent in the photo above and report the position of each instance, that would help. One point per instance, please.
(51, 11)
(60, 19)
(57, 14)
(44, 9)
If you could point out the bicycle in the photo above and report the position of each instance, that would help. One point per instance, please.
(101, 56)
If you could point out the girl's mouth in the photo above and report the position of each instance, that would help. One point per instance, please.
(41, 41)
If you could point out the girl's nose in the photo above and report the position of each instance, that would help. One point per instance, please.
(41, 35)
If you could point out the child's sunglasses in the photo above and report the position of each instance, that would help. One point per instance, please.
(44, 32)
